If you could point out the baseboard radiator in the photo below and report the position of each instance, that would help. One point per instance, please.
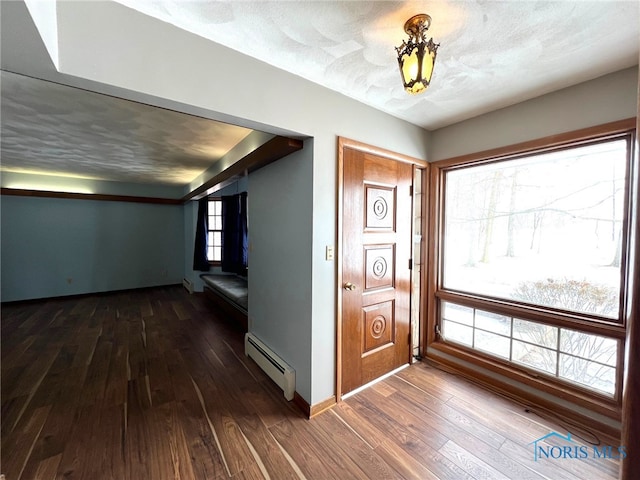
(188, 285)
(272, 364)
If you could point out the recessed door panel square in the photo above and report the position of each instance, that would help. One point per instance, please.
(378, 327)
(380, 213)
(379, 261)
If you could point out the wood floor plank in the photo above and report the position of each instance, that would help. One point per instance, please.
(314, 460)
(96, 379)
(12, 409)
(470, 463)
(265, 449)
(250, 472)
(524, 456)
(18, 445)
(53, 438)
(268, 404)
(353, 419)
(442, 417)
(176, 441)
(206, 458)
(47, 469)
(234, 450)
(478, 440)
(400, 425)
(14, 347)
(402, 462)
(354, 447)
(62, 393)
(93, 429)
(154, 384)
(160, 384)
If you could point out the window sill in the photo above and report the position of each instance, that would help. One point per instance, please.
(608, 407)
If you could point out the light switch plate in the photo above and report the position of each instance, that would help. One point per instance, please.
(329, 253)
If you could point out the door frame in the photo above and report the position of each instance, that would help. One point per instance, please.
(344, 143)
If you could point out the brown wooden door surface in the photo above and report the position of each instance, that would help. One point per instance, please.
(376, 247)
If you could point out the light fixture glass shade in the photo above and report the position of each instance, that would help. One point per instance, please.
(417, 56)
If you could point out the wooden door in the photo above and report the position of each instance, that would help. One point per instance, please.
(376, 248)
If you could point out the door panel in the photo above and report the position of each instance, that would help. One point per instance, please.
(376, 247)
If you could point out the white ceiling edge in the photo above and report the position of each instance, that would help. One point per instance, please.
(45, 18)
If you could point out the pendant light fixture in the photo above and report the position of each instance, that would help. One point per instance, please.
(417, 56)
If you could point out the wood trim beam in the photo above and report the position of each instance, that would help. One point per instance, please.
(89, 196)
(548, 316)
(344, 142)
(269, 152)
(273, 150)
(546, 143)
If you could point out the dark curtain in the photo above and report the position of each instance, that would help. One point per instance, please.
(235, 238)
(200, 261)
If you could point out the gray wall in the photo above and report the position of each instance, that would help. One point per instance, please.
(54, 247)
(280, 238)
(605, 99)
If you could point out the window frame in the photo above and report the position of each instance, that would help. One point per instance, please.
(611, 328)
(215, 263)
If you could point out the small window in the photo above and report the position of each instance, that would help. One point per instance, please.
(580, 358)
(214, 238)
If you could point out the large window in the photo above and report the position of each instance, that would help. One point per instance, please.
(214, 239)
(531, 261)
(544, 229)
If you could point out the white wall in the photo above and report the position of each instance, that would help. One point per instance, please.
(605, 99)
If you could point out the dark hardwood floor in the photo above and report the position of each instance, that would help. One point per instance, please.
(152, 384)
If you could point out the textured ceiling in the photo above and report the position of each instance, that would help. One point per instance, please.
(55, 129)
(492, 54)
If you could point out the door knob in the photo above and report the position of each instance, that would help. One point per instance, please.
(349, 286)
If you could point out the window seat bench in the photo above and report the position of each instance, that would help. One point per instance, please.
(230, 293)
